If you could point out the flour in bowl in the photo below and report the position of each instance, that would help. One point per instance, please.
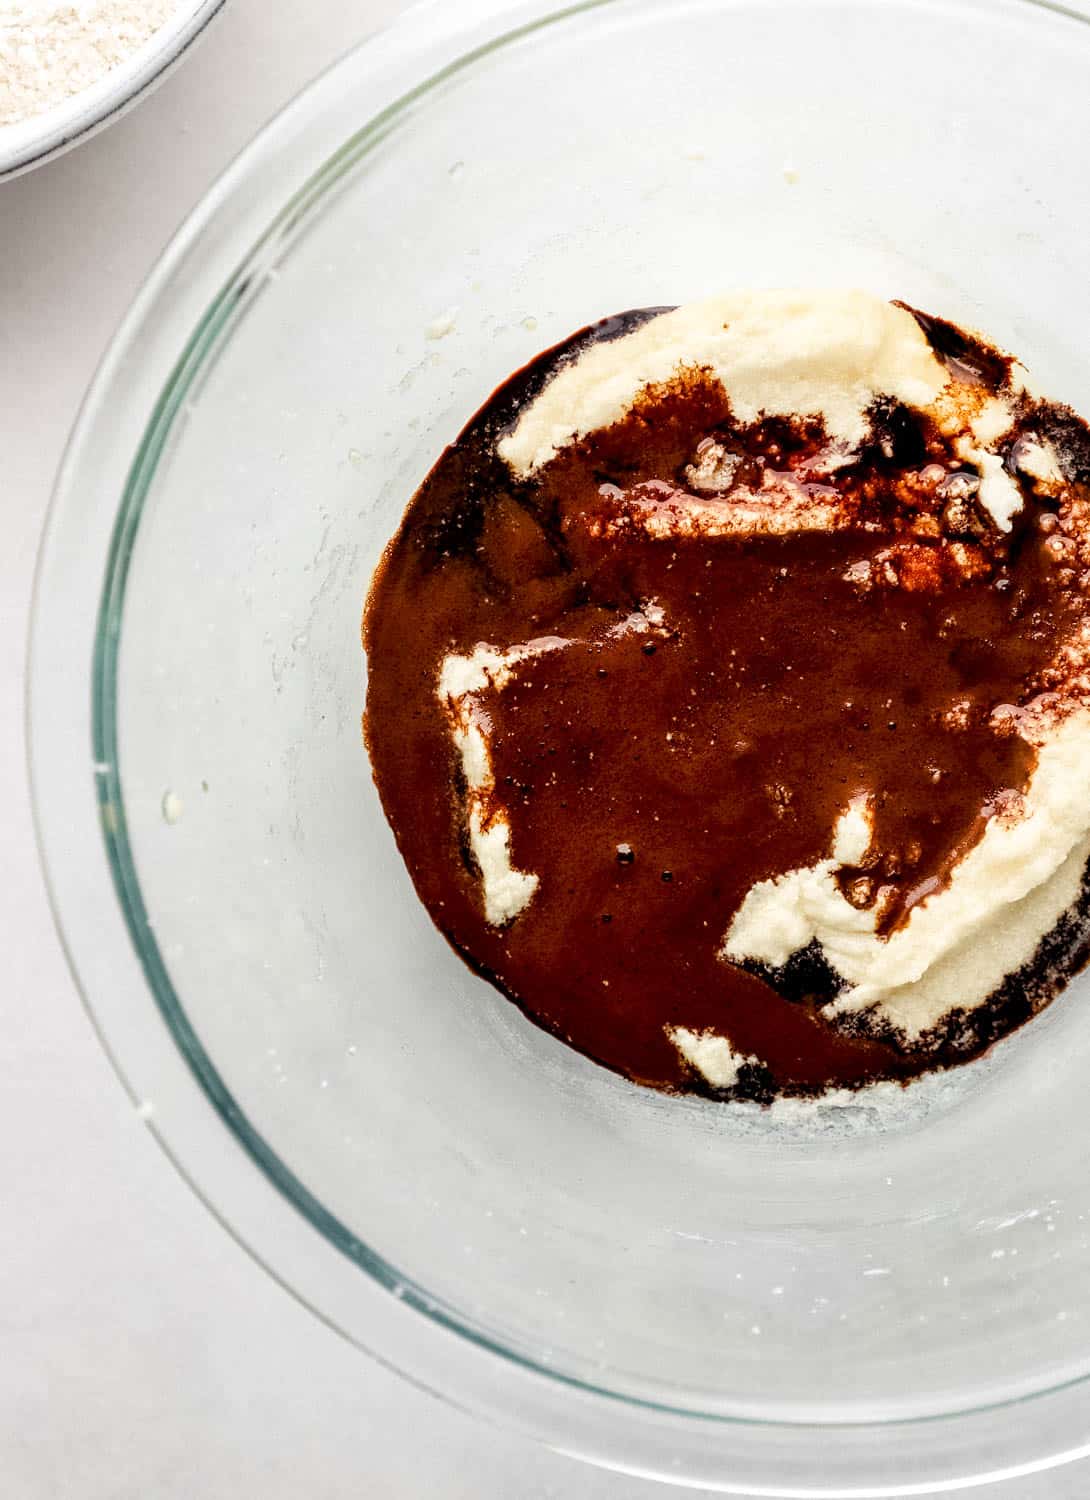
(49, 51)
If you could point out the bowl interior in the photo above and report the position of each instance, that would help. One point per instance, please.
(839, 1266)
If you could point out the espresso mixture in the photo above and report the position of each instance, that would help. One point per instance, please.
(678, 706)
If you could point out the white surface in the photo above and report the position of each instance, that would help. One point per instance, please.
(144, 1355)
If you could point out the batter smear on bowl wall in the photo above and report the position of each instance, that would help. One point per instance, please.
(729, 693)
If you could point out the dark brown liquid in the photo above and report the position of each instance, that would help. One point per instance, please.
(721, 750)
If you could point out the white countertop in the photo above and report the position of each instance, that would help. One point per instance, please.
(145, 1357)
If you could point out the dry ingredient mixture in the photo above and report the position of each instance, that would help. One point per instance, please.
(729, 693)
(49, 51)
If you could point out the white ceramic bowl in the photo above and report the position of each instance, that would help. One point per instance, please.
(28, 143)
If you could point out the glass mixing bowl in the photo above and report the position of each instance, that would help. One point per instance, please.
(830, 1304)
